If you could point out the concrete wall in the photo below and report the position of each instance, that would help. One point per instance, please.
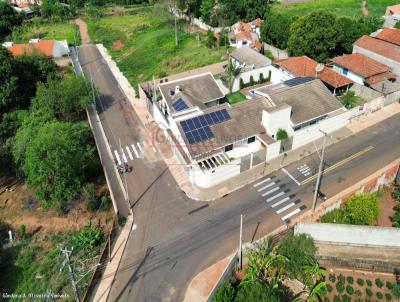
(277, 119)
(311, 133)
(246, 76)
(370, 106)
(60, 49)
(278, 54)
(350, 234)
(273, 150)
(278, 75)
(395, 65)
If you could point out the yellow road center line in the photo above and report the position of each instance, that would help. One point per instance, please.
(338, 164)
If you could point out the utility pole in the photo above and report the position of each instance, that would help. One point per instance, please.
(319, 172)
(67, 261)
(240, 242)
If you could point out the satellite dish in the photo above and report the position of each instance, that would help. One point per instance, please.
(319, 67)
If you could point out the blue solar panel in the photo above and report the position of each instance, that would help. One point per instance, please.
(180, 105)
(198, 129)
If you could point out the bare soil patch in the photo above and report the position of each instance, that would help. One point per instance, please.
(118, 45)
(387, 205)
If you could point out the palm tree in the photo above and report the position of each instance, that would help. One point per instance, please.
(232, 72)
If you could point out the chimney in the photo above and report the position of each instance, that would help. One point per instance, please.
(177, 89)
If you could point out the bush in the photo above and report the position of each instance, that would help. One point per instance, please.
(225, 293)
(396, 193)
(340, 287)
(369, 283)
(350, 280)
(93, 202)
(269, 76)
(281, 135)
(332, 278)
(379, 283)
(379, 295)
(360, 282)
(369, 292)
(241, 84)
(363, 209)
(336, 216)
(89, 237)
(105, 203)
(346, 298)
(121, 220)
(329, 288)
(388, 297)
(257, 292)
(350, 290)
(336, 299)
(389, 285)
(269, 55)
(251, 83)
(396, 291)
(342, 278)
(23, 231)
(261, 78)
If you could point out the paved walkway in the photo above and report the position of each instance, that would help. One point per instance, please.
(84, 31)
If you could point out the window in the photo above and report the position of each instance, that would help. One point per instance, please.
(251, 139)
(228, 148)
(345, 71)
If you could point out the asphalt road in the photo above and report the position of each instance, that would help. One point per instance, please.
(177, 237)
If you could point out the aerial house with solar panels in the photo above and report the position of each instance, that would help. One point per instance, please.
(215, 140)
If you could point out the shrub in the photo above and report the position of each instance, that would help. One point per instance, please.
(225, 293)
(121, 220)
(396, 193)
(336, 299)
(269, 76)
(261, 78)
(91, 199)
(23, 231)
(396, 291)
(360, 282)
(332, 278)
(346, 298)
(329, 288)
(340, 287)
(336, 216)
(269, 55)
(389, 285)
(369, 283)
(350, 280)
(105, 203)
(326, 299)
(379, 295)
(342, 279)
(257, 292)
(89, 237)
(281, 135)
(251, 83)
(369, 292)
(363, 209)
(388, 297)
(379, 283)
(350, 290)
(241, 84)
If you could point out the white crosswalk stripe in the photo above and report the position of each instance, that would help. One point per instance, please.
(291, 214)
(129, 153)
(280, 202)
(265, 187)
(140, 148)
(270, 191)
(124, 156)
(288, 206)
(275, 196)
(134, 150)
(117, 157)
(261, 182)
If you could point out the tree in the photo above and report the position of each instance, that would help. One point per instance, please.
(64, 99)
(313, 35)
(223, 38)
(281, 135)
(274, 30)
(225, 293)
(206, 10)
(211, 39)
(10, 122)
(54, 9)
(363, 209)
(9, 18)
(257, 292)
(57, 159)
(231, 73)
(8, 80)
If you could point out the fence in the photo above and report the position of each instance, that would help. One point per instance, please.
(278, 54)
(105, 256)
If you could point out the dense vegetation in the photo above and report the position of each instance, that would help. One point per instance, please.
(362, 209)
(396, 216)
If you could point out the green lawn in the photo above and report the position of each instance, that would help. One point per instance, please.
(148, 46)
(235, 97)
(350, 8)
(57, 31)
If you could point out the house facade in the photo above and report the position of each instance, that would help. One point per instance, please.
(50, 48)
(246, 34)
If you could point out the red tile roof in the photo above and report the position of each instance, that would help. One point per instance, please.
(257, 22)
(394, 9)
(379, 47)
(256, 44)
(380, 77)
(306, 67)
(42, 46)
(361, 65)
(391, 35)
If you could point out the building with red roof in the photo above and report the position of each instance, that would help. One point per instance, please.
(391, 35)
(49, 48)
(246, 34)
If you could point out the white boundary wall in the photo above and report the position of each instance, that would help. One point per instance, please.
(350, 234)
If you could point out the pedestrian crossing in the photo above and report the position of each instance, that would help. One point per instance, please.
(279, 198)
(129, 153)
(305, 170)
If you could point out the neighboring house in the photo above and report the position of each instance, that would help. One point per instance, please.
(216, 141)
(393, 10)
(246, 34)
(22, 8)
(363, 70)
(383, 51)
(25, 2)
(391, 35)
(251, 64)
(306, 67)
(50, 48)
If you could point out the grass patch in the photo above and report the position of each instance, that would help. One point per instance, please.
(57, 31)
(349, 8)
(148, 46)
(235, 97)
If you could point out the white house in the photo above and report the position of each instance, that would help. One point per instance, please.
(50, 48)
(246, 34)
(252, 64)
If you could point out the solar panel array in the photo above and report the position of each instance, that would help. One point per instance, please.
(180, 105)
(198, 129)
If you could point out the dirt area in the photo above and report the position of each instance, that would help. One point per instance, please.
(360, 291)
(18, 206)
(387, 204)
(364, 8)
(118, 45)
